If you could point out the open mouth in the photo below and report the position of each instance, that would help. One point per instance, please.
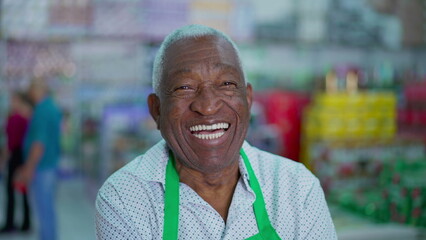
(209, 132)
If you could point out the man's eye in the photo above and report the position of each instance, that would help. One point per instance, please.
(230, 84)
(182, 88)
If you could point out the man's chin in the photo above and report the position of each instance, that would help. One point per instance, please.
(215, 163)
(213, 168)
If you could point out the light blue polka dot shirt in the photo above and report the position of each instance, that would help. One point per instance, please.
(130, 204)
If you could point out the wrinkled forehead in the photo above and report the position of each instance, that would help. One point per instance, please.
(203, 49)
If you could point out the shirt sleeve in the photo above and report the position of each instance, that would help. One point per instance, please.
(41, 128)
(112, 218)
(319, 225)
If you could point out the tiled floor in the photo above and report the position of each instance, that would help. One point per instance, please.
(75, 212)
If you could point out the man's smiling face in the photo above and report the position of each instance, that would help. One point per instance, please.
(203, 107)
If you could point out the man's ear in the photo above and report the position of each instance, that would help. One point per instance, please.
(249, 94)
(154, 108)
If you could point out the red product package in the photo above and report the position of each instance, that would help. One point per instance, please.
(284, 110)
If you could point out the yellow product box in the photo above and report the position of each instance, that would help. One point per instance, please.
(387, 101)
(360, 115)
(331, 124)
(371, 101)
(371, 124)
(310, 122)
(335, 101)
(353, 125)
(355, 101)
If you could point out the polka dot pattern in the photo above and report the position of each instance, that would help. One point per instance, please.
(130, 204)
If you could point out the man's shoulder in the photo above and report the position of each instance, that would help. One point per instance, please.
(270, 164)
(147, 167)
(122, 175)
(124, 183)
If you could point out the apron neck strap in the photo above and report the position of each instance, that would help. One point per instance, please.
(265, 227)
(171, 203)
(171, 200)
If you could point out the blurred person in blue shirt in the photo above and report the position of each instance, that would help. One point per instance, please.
(42, 152)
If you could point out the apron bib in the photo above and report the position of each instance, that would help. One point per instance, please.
(171, 204)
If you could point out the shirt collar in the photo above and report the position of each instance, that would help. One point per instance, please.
(153, 164)
(243, 169)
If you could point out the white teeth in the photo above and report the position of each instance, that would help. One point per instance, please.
(209, 127)
(209, 136)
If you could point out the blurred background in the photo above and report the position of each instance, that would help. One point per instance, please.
(340, 85)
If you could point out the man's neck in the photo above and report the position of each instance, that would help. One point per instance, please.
(215, 188)
(40, 99)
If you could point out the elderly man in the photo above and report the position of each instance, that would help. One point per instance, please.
(204, 181)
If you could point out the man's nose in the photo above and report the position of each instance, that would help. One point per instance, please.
(207, 102)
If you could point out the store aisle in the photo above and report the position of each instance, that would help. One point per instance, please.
(350, 226)
(75, 213)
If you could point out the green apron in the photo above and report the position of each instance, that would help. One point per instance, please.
(171, 204)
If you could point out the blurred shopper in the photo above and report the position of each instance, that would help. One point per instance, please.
(42, 150)
(16, 127)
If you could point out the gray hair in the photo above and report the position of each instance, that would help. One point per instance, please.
(190, 31)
